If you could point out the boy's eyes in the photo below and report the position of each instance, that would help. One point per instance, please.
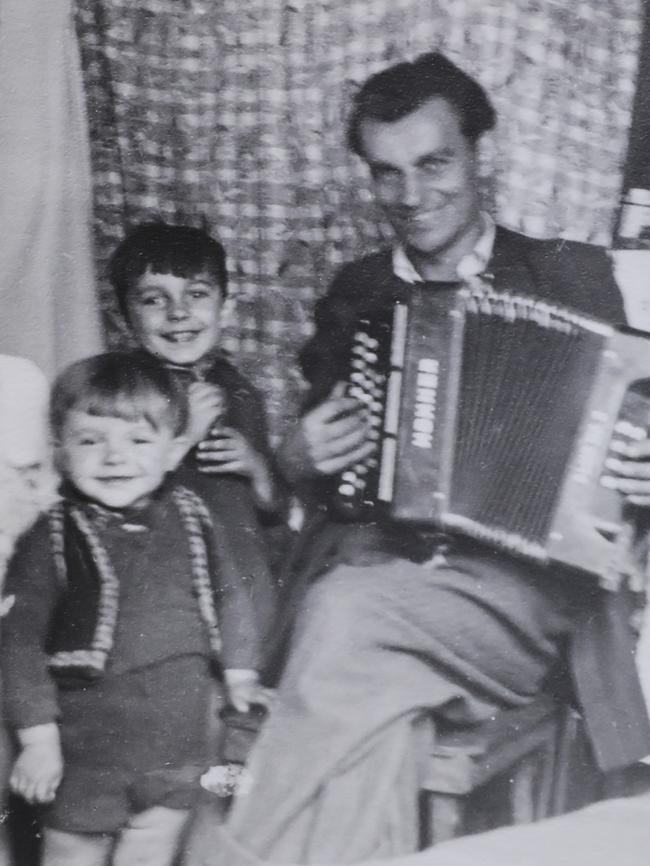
(151, 300)
(87, 440)
(197, 293)
(135, 438)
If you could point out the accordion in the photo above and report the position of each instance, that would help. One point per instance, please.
(494, 414)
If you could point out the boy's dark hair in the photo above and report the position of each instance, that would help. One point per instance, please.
(183, 251)
(399, 90)
(128, 385)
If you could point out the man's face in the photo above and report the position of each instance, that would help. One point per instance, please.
(176, 318)
(424, 177)
(113, 461)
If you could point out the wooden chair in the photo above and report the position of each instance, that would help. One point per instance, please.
(526, 750)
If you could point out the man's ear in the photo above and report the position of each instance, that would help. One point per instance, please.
(485, 155)
(177, 450)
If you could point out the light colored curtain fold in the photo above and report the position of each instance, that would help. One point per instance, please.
(48, 309)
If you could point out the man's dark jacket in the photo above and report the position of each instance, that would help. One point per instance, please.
(601, 652)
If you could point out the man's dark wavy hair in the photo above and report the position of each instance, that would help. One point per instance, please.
(399, 90)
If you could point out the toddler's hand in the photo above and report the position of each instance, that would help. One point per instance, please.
(37, 771)
(206, 403)
(243, 688)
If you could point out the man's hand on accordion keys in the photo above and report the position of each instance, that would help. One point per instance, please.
(329, 438)
(630, 473)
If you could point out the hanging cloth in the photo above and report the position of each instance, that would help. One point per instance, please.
(48, 305)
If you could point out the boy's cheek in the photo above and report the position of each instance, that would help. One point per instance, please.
(142, 328)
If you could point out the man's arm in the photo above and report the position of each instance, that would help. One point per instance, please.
(333, 432)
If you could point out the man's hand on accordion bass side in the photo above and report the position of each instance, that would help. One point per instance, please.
(630, 473)
(334, 435)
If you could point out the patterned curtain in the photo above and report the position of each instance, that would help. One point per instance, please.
(231, 115)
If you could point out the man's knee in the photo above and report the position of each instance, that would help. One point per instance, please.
(335, 608)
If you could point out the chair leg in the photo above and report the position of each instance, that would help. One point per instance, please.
(522, 791)
(566, 741)
(444, 817)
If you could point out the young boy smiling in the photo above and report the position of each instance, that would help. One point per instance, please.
(117, 614)
(170, 282)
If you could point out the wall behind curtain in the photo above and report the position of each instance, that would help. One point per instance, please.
(231, 115)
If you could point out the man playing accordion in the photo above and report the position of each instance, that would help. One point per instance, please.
(392, 623)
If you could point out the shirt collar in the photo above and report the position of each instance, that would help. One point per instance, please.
(471, 265)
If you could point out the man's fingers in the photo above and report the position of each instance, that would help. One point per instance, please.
(341, 446)
(331, 466)
(627, 468)
(332, 409)
(639, 450)
(641, 501)
(340, 427)
(628, 486)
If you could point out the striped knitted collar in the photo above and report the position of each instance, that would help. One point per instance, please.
(197, 525)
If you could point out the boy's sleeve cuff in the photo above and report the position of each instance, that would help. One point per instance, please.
(234, 676)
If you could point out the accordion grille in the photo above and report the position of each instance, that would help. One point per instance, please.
(524, 385)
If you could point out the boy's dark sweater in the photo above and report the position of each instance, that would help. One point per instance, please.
(231, 501)
(158, 611)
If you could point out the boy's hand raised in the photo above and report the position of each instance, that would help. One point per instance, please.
(206, 403)
(227, 450)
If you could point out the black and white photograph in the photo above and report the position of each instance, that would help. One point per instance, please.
(324, 432)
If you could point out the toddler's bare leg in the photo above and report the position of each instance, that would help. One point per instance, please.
(151, 838)
(75, 849)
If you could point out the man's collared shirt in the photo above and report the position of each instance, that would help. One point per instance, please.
(471, 265)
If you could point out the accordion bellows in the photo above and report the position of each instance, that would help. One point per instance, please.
(495, 414)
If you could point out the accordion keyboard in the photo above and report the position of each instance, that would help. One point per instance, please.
(367, 384)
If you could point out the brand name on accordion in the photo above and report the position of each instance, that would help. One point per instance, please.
(426, 395)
